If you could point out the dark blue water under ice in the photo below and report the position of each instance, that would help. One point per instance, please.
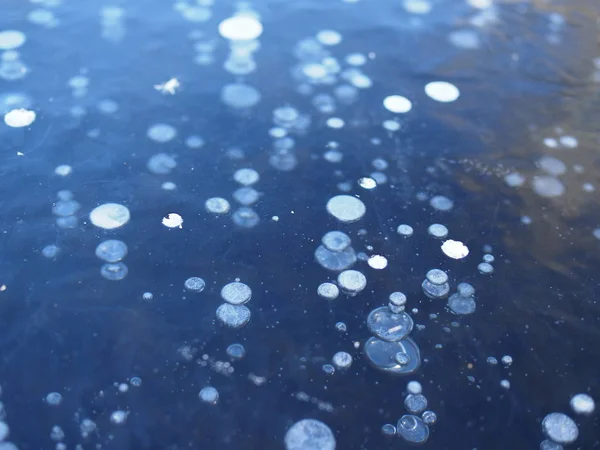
(65, 328)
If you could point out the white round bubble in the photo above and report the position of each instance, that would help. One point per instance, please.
(367, 183)
(438, 230)
(560, 428)
(329, 37)
(441, 203)
(328, 291)
(195, 284)
(236, 293)
(455, 249)
(514, 179)
(217, 205)
(234, 316)
(11, 39)
(118, 417)
(405, 230)
(18, 118)
(414, 387)
(309, 434)
(161, 163)
(161, 132)
(352, 281)
(246, 177)
(377, 262)
(397, 104)
(209, 394)
(336, 241)
(583, 404)
(346, 208)
(172, 220)
(245, 217)
(54, 398)
(114, 271)
(342, 360)
(240, 28)
(110, 216)
(442, 91)
(548, 186)
(111, 250)
(63, 170)
(246, 195)
(240, 95)
(551, 165)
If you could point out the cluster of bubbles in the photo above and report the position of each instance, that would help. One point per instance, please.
(112, 251)
(390, 349)
(286, 119)
(327, 79)
(65, 209)
(560, 429)
(435, 285)
(204, 49)
(11, 66)
(245, 216)
(112, 20)
(87, 426)
(547, 182)
(340, 361)
(234, 313)
(463, 301)
(321, 404)
(79, 85)
(110, 216)
(485, 267)
(411, 427)
(335, 252)
(242, 31)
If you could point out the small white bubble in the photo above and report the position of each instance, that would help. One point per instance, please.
(378, 262)
(209, 394)
(54, 398)
(442, 91)
(118, 417)
(397, 104)
(367, 183)
(583, 404)
(18, 118)
(455, 249)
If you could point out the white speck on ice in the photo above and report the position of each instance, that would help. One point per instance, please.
(168, 87)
